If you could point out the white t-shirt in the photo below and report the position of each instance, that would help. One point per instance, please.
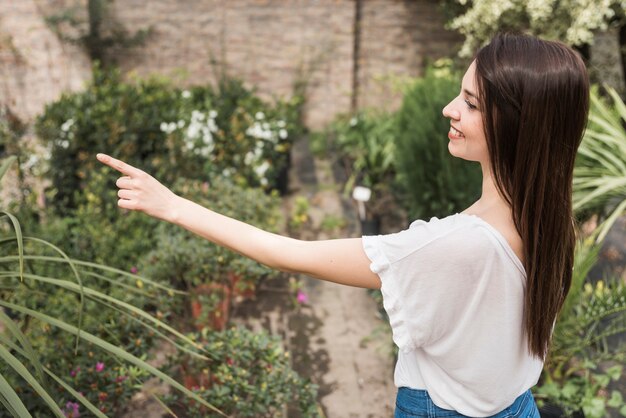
(454, 292)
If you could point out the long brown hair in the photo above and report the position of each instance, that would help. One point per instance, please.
(535, 100)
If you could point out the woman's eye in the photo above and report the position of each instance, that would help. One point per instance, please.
(469, 104)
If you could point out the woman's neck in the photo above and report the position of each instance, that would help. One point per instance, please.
(490, 198)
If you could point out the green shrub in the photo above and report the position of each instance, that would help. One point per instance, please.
(171, 133)
(185, 261)
(250, 376)
(365, 145)
(48, 304)
(368, 141)
(432, 182)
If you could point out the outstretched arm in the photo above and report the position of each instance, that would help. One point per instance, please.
(341, 261)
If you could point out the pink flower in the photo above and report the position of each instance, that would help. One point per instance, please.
(71, 410)
(74, 372)
(99, 366)
(133, 270)
(120, 379)
(302, 297)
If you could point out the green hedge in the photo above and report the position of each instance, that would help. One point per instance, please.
(171, 133)
(432, 182)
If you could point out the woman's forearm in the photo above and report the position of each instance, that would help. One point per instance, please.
(238, 236)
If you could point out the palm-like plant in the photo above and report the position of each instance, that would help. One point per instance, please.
(586, 353)
(17, 353)
(600, 173)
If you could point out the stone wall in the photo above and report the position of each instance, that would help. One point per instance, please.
(35, 66)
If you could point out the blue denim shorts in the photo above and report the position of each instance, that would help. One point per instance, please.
(413, 403)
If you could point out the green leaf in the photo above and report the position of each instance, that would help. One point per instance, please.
(622, 411)
(19, 367)
(569, 390)
(11, 400)
(616, 400)
(603, 380)
(18, 237)
(615, 372)
(594, 408)
(29, 352)
(116, 351)
(6, 164)
(67, 387)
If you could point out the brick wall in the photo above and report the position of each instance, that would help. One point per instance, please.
(268, 43)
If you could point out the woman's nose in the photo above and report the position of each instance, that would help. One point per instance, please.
(450, 112)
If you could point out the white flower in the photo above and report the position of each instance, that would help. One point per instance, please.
(193, 131)
(163, 127)
(30, 163)
(197, 115)
(281, 124)
(212, 126)
(186, 94)
(181, 124)
(260, 170)
(353, 121)
(226, 172)
(67, 125)
(259, 115)
(64, 143)
(282, 134)
(249, 158)
(265, 126)
(212, 114)
(171, 127)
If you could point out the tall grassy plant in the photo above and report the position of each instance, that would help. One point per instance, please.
(433, 182)
(19, 359)
(600, 172)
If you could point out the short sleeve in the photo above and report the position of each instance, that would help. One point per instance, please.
(426, 274)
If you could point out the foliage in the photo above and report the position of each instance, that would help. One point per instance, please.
(299, 216)
(586, 356)
(364, 143)
(573, 21)
(432, 182)
(238, 136)
(23, 269)
(111, 115)
(172, 134)
(185, 261)
(600, 173)
(249, 377)
(367, 140)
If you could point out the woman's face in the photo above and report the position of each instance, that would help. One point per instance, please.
(467, 136)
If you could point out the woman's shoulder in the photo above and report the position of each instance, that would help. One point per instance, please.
(473, 232)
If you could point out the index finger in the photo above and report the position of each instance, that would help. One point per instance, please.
(118, 165)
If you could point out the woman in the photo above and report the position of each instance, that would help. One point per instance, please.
(472, 297)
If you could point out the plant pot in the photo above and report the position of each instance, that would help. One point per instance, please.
(218, 315)
(237, 289)
(370, 226)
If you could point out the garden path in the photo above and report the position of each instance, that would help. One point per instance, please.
(337, 339)
(358, 379)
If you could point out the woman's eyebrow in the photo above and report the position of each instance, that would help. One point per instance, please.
(469, 93)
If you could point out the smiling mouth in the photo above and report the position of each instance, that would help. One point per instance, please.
(456, 132)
